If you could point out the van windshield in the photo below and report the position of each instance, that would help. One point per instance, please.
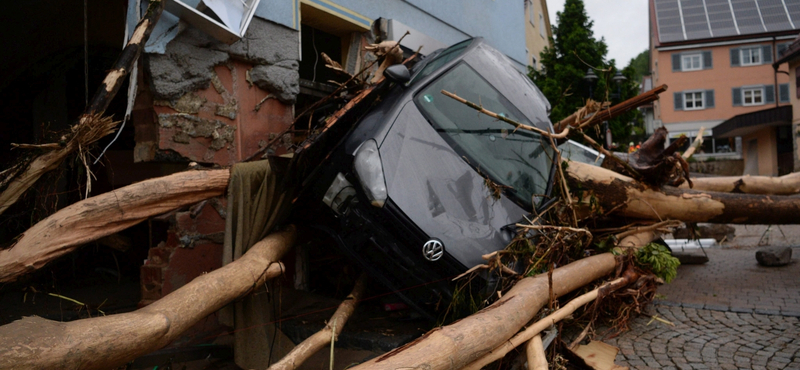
(518, 160)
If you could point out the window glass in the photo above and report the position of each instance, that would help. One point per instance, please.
(693, 100)
(753, 96)
(751, 56)
(518, 159)
(724, 145)
(449, 54)
(692, 62)
(541, 25)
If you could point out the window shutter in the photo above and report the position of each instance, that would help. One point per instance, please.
(797, 82)
(781, 48)
(676, 62)
(709, 98)
(766, 53)
(783, 93)
(737, 96)
(769, 94)
(707, 63)
(735, 57)
(678, 100)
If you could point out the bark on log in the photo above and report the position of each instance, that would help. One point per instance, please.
(456, 345)
(105, 214)
(322, 338)
(631, 199)
(784, 185)
(110, 341)
(552, 319)
(100, 101)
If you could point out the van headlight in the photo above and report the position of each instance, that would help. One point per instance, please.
(369, 170)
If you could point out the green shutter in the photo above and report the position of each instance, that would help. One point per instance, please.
(676, 62)
(735, 57)
(678, 97)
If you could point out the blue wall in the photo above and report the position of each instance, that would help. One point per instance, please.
(500, 22)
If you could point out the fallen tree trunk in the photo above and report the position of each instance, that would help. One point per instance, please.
(90, 126)
(322, 338)
(628, 198)
(456, 345)
(110, 341)
(459, 344)
(783, 185)
(105, 214)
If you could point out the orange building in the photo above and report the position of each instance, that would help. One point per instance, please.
(716, 58)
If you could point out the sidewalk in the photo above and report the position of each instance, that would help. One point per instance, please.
(729, 313)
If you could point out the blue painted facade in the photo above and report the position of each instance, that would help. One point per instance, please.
(500, 22)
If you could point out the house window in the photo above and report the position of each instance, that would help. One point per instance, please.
(753, 96)
(531, 14)
(750, 56)
(693, 100)
(541, 25)
(692, 62)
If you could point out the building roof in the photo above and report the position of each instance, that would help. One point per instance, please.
(747, 123)
(694, 20)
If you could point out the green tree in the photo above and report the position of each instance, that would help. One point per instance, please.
(641, 65)
(574, 51)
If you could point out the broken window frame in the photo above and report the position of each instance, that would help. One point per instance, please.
(219, 31)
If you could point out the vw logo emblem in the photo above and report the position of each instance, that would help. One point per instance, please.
(433, 250)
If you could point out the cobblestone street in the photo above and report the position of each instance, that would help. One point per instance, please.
(729, 313)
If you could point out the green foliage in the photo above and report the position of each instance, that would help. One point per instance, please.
(658, 259)
(574, 50)
(640, 65)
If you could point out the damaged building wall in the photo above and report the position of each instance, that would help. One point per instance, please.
(209, 102)
(204, 101)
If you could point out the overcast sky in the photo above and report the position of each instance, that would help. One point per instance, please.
(623, 23)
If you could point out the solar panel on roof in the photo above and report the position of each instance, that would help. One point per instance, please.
(794, 11)
(694, 19)
(719, 13)
(747, 16)
(774, 15)
(669, 21)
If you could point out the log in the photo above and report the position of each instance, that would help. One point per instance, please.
(90, 127)
(627, 198)
(322, 338)
(783, 185)
(110, 341)
(534, 330)
(105, 214)
(459, 344)
(698, 141)
(535, 354)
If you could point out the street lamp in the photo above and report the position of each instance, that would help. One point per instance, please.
(618, 79)
(590, 78)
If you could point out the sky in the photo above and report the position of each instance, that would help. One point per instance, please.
(623, 23)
